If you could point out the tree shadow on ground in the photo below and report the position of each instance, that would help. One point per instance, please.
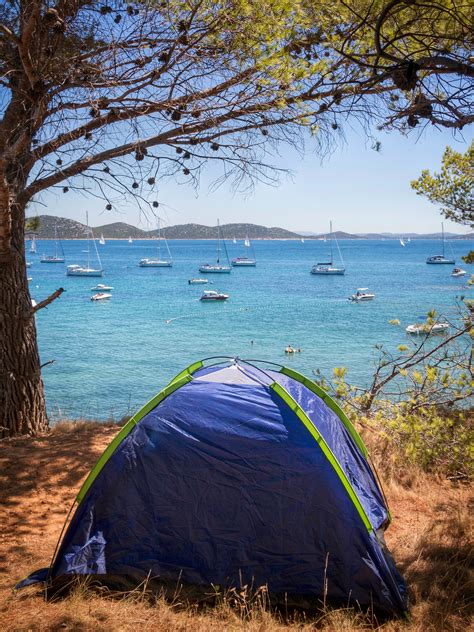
(39, 479)
(440, 569)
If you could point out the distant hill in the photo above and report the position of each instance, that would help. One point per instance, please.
(70, 229)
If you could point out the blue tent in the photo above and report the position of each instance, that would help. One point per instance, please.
(236, 475)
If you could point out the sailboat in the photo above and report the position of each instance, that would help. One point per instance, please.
(441, 258)
(102, 240)
(58, 256)
(130, 240)
(158, 262)
(402, 243)
(78, 270)
(245, 261)
(217, 267)
(328, 267)
(33, 245)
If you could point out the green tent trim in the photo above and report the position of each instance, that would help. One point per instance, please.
(126, 430)
(332, 404)
(303, 417)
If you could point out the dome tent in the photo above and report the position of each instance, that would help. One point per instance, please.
(235, 475)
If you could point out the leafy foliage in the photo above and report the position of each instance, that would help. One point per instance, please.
(453, 187)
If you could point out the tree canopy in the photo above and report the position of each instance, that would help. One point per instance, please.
(453, 187)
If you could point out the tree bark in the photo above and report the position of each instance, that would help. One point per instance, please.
(22, 404)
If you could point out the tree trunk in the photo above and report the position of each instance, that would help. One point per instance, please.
(22, 405)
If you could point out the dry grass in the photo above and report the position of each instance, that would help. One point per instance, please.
(39, 478)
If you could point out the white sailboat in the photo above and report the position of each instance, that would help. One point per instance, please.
(402, 243)
(437, 259)
(130, 240)
(218, 267)
(159, 262)
(33, 245)
(102, 240)
(86, 270)
(327, 267)
(58, 256)
(245, 261)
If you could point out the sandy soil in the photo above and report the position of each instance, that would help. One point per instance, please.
(40, 477)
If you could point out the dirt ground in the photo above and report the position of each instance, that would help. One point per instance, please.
(39, 478)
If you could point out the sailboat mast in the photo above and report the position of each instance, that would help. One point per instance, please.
(159, 240)
(218, 242)
(55, 241)
(442, 235)
(88, 240)
(330, 239)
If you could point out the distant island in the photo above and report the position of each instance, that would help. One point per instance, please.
(70, 229)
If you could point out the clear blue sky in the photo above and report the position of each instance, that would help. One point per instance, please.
(358, 188)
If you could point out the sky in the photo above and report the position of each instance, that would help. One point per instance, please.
(359, 189)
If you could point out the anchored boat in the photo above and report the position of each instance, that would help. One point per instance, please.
(328, 267)
(218, 267)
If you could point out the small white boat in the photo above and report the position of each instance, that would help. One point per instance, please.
(33, 303)
(130, 240)
(197, 281)
(155, 263)
(33, 245)
(28, 264)
(244, 262)
(402, 243)
(213, 295)
(51, 259)
(427, 329)
(214, 268)
(102, 240)
(100, 287)
(29, 279)
(101, 296)
(362, 295)
(458, 272)
(76, 270)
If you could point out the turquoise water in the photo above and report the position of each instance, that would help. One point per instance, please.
(111, 357)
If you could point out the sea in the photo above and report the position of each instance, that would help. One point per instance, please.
(104, 360)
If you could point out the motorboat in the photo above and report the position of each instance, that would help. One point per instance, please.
(51, 259)
(218, 267)
(87, 270)
(155, 263)
(77, 270)
(158, 262)
(327, 267)
(100, 287)
(197, 281)
(244, 262)
(101, 296)
(458, 272)
(362, 295)
(28, 264)
(213, 268)
(441, 259)
(213, 295)
(426, 329)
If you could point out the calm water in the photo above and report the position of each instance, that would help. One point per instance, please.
(111, 357)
